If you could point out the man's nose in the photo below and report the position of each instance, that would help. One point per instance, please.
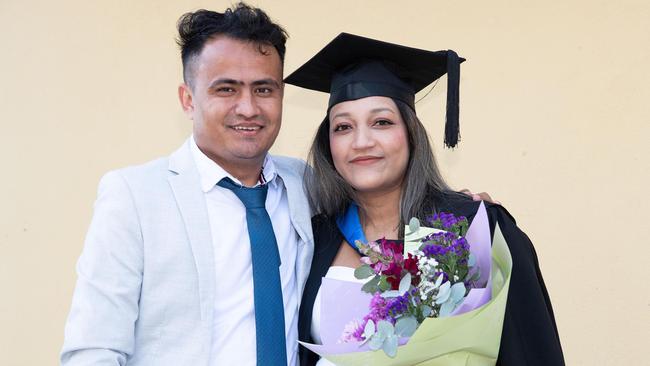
(247, 105)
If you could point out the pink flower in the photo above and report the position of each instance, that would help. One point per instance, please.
(353, 332)
(392, 249)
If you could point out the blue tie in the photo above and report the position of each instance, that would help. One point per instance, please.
(269, 309)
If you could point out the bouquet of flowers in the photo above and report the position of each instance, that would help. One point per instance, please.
(437, 299)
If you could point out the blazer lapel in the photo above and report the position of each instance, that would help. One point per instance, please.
(191, 203)
(300, 218)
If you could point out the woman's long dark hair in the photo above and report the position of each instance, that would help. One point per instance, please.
(330, 194)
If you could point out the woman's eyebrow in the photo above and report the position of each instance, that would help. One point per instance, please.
(342, 114)
(377, 110)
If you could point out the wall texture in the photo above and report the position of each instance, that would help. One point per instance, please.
(554, 118)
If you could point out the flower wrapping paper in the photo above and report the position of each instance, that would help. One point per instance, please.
(470, 337)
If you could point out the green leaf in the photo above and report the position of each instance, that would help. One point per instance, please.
(471, 260)
(406, 326)
(384, 330)
(443, 293)
(363, 272)
(426, 310)
(376, 342)
(383, 284)
(371, 286)
(390, 294)
(390, 346)
(385, 327)
(369, 330)
(457, 292)
(438, 281)
(447, 308)
(414, 225)
(405, 284)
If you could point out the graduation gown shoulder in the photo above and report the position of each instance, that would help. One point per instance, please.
(529, 336)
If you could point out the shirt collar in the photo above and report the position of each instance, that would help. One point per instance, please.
(211, 173)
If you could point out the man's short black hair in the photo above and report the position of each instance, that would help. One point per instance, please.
(241, 22)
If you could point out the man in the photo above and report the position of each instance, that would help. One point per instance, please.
(168, 269)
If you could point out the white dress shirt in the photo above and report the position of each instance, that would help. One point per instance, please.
(233, 331)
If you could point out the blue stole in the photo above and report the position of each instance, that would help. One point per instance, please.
(350, 226)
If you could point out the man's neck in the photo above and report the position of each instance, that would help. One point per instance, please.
(247, 171)
(248, 176)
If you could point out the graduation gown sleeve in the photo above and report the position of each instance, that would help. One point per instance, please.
(530, 335)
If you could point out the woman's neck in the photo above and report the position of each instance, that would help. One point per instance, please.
(379, 214)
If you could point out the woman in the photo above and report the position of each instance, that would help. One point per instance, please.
(373, 169)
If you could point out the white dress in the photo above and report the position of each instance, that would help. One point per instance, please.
(338, 273)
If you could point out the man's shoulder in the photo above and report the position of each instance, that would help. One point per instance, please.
(288, 162)
(157, 168)
(289, 167)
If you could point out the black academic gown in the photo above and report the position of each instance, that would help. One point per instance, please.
(529, 334)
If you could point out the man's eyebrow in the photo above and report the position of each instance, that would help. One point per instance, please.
(228, 81)
(266, 82)
(225, 81)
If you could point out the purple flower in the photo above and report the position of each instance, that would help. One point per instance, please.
(398, 305)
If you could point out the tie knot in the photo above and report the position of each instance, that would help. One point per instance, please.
(250, 197)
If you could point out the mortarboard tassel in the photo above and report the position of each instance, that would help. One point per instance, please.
(452, 128)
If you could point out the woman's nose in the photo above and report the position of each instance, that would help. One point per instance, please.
(363, 138)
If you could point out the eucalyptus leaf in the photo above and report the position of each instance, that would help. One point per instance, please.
(390, 294)
(438, 281)
(369, 330)
(406, 326)
(405, 283)
(384, 330)
(375, 342)
(443, 293)
(390, 346)
(383, 284)
(385, 327)
(457, 292)
(363, 272)
(426, 310)
(414, 225)
(471, 260)
(447, 308)
(371, 286)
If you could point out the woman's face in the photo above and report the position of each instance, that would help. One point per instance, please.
(369, 144)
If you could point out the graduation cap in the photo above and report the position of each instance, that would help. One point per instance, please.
(353, 67)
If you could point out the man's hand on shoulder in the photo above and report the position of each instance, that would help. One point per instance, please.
(482, 196)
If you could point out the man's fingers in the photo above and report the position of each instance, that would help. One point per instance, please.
(486, 197)
(483, 196)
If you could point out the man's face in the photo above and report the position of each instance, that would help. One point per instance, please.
(235, 101)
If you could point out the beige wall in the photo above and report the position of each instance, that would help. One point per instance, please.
(554, 115)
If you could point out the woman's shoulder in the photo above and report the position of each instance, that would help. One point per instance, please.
(322, 221)
(325, 230)
(462, 205)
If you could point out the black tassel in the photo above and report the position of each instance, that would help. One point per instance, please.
(452, 128)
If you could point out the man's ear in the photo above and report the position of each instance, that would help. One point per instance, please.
(185, 97)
